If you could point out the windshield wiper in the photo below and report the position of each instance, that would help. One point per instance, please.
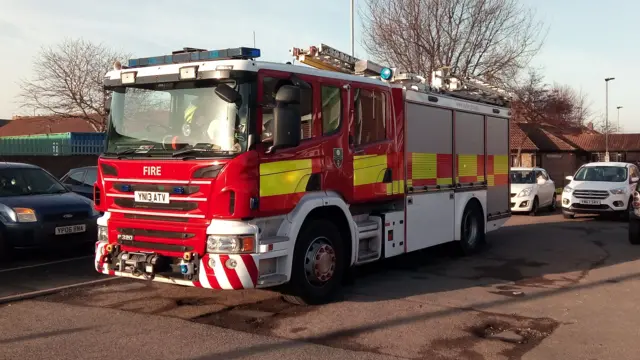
(195, 150)
(126, 151)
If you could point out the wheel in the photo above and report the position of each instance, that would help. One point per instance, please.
(318, 265)
(472, 236)
(568, 215)
(625, 214)
(634, 231)
(534, 207)
(554, 204)
(5, 249)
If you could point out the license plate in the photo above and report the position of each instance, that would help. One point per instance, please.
(72, 229)
(152, 197)
(590, 202)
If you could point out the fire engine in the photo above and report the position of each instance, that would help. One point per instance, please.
(224, 172)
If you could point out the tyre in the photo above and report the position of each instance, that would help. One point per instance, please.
(634, 231)
(568, 215)
(534, 207)
(472, 236)
(624, 215)
(5, 249)
(554, 204)
(318, 265)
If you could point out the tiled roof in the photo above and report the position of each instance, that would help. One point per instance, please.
(518, 139)
(546, 138)
(596, 142)
(29, 125)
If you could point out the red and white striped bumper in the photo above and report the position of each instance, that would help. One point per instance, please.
(217, 271)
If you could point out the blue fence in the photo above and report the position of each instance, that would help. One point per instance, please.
(63, 144)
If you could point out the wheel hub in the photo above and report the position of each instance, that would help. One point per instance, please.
(320, 262)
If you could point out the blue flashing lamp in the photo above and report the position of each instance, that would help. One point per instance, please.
(190, 55)
(178, 190)
(386, 74)
(126, 188)
(184, 269)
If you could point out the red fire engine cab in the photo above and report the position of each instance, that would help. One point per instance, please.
(225, 172)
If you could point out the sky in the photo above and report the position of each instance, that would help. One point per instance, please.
(586, 42)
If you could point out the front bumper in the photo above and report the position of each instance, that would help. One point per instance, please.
(521, 204)
(42, 235)
(574, 205)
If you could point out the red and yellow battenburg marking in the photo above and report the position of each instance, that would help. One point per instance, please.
(429, 169)
(283, 183)
(470, 168)
(497, 170)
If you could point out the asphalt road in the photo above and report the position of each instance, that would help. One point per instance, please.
(545, 288)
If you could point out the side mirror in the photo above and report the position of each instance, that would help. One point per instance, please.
(227, 93)
(570, 178)
(634, 180)
(107, 103)
(287, 121)
(541, 181)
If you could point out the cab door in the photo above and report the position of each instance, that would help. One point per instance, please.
(287, 174)
(371, 143)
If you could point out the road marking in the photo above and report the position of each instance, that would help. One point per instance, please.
(45, 264)
(38, 293)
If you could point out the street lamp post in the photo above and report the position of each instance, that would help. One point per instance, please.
(352, 28)
(606, 119)
(619, 107)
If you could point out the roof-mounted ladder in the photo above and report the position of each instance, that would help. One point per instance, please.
(325, 57)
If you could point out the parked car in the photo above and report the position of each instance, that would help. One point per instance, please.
(37, 210)
(531, 190)
(81, 180)
(601, 188)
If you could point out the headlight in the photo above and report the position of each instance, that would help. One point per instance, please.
(618, 191)
(230, 244)
(568, 189)
(525, 192)
(103, 234)
(17, 214)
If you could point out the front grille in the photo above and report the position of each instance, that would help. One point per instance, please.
(156, 233)
(590, 207)
(172, 189)
(176, 205)
(75, 215)
(591, 194)
(155, 218)
(155, 246)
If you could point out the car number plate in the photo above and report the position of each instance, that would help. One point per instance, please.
(590, 202)
(152, 197)
(72, 229)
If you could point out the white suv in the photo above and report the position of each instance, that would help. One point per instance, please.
(531, 190)
(600, 188)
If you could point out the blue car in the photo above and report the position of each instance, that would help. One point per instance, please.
(36, 210)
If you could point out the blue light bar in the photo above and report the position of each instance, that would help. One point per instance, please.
(242, 53)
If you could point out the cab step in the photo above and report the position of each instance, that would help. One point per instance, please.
(369, 239)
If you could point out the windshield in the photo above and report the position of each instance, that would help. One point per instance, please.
(163, 118)
(19, 182)
(523, 177)
(602, 173)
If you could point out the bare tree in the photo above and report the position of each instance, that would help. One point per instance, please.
(494, 39)
(601, 126)
(538, 104)
(68, 81)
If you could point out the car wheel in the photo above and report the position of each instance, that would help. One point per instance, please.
(554, 203)
(634, 231)
(318, 265)
(534, 207)
(5, 249)
(568, 215)
(472, 236)
(625, 214)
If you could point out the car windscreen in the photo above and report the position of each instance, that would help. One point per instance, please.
(28, 181)
(522, 177)
(602, 173)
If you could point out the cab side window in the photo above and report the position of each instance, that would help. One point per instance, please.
(370, 116)
(331, 109)
(74, 178)
(270, 87)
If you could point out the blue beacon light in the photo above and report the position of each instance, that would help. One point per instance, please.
(386, 73)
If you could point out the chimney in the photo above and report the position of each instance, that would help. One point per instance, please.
(590, 125)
